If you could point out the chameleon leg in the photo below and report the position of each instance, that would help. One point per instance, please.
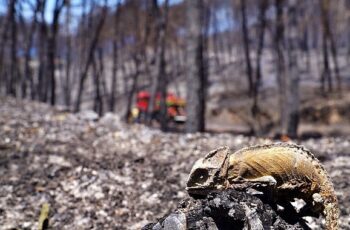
(264, 180)
(264, 184)
(317, 202)
(268, 180)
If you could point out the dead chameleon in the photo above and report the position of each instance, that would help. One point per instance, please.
(287, 170)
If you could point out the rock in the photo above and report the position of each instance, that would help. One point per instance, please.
(59, 160)
(175, 222)
(226, 210)
(112, 121)
(88, 115)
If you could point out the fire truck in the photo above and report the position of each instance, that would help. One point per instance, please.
(175, 108)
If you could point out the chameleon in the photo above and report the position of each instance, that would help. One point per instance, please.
(289, 171)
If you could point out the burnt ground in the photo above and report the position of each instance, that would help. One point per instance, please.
(105, 174)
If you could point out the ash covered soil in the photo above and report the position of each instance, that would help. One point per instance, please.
(104, 174)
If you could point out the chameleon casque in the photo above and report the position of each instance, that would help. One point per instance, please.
(288, 171)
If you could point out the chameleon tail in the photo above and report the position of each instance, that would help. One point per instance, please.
(332, 215)
(331, 211)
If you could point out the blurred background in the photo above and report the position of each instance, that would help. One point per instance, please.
(277, 68)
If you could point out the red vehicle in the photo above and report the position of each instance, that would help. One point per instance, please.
(175, 108)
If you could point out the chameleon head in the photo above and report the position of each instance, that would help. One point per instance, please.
(208, 173)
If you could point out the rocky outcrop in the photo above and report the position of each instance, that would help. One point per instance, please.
(228, 209)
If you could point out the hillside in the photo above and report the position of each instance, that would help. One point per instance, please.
(101, 173)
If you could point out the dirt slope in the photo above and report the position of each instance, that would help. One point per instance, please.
(104, 174)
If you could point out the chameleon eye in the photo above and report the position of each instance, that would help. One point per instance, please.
(199, 176)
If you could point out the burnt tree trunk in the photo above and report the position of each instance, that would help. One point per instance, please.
(90, 57)
(133, 88)
(115, 59)
(261, 34)
(249, 69)
(51, 49)
(114, 78)
(101, 70)
(40, 88)
(161, 66)
(196, 67)
(290, 116)
(13, 77)
(3, 43)
(280, 58)
(325, 8)
(156, 17)
(67, 81)
(326, 77)
(160, 79)
(28, 76)
(98, 104)
(347, 4)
